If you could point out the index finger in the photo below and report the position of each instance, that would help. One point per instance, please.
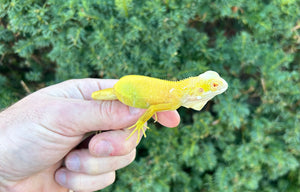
(78, 88)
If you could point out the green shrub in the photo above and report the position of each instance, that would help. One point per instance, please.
(247, 139)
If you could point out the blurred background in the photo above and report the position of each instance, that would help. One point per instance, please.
(247, 139)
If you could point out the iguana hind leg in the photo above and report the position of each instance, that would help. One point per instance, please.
(140, 124)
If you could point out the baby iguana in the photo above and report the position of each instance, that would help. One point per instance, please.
(161, 95)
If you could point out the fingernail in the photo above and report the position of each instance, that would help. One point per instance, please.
(61, 177)
(103, 148)
(134, 110)
(73, 162)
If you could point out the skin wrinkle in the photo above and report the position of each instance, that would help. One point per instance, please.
(81, 92)
(38, 110)
(16, 152)
(66, 93)
(59, 123)
(108, 109)
(104, 110)
(28, 147)
(68, 125)
(78, 86)
(56, 134)
(85, 91)
(99, 85)
(37, 116)
(63, 93)
(64, 90)
(102, 85)
(4, 136)
(3, 158)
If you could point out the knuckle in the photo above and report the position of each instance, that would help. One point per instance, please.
(113, 112)
(106, 111)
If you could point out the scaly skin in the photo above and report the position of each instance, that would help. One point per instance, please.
(161, 95)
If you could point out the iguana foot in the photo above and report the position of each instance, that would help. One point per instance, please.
(139, 125)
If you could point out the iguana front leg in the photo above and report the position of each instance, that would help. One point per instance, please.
(140, 124)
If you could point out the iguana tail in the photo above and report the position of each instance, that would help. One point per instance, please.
(105, 94)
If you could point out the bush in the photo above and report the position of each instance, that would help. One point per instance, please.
(247, 139)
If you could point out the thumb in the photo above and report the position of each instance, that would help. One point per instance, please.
(74, 117)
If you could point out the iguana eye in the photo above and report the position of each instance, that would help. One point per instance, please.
(214, 85)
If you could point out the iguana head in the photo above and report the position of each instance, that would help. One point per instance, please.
(203, 88)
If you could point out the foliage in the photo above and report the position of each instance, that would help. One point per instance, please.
(247, 139)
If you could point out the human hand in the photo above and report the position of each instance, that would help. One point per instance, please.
(39, 134)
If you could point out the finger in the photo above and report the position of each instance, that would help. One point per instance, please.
(83, 182)
(74, 117)
(78, 88)
(168, 118)
(112, 143)
(83, 162)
